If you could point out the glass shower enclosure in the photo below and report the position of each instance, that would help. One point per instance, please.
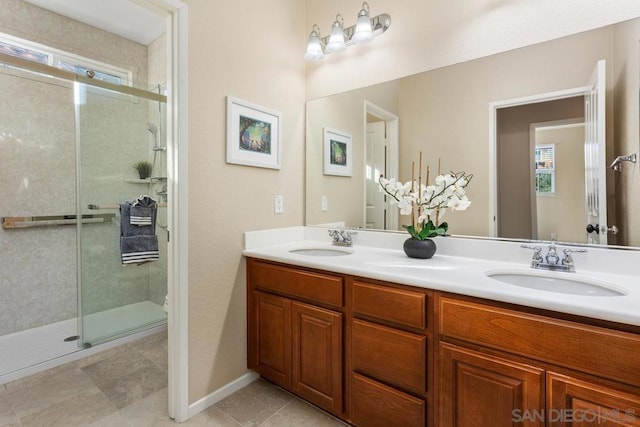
(68, 143)
(115, 131)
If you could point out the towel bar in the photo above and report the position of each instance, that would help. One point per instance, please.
(10, 222)
(97, 207)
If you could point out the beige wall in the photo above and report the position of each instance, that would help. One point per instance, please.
(344, 112)
(561, 216)
(627, 134)
(425, 35)
(253, 52)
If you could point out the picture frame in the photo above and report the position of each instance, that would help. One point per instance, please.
(338, 156)
(253, 134)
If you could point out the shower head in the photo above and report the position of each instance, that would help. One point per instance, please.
(152, 128)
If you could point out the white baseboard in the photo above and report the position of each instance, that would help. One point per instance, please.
(222, 392)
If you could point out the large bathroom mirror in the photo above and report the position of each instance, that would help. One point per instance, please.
(495, 117)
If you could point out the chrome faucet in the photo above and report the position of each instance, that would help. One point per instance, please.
(552, 257)
(341, 237)
(552, 261)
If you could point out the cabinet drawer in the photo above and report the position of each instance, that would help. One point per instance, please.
(398, 306)
(376, 405)
(595, 350)
(390, 355)
(307, 285)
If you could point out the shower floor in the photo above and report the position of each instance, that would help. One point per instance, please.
(30, 347)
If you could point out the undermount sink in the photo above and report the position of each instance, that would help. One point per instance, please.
(553, 283)
(321, 252)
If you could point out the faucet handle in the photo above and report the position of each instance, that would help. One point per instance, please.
(537, 252)
(574, 251)
(568, 259)
(341, 236)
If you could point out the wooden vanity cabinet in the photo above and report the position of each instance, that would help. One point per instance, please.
(380, 354)
(515, 367)
(295, 331)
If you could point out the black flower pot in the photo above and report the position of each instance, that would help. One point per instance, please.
(422, 249)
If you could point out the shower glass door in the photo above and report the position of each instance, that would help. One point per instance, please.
(38, 291)
(114, 131)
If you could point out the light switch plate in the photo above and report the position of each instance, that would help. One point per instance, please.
(278, 204)
(324, 201)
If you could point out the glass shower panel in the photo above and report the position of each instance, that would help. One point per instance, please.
(38, 291)
(116, 131)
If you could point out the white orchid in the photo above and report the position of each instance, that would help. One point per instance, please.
(448, 192)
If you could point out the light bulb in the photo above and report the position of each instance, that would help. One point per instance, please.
(336, 39)
(314, 47)
(363, 32)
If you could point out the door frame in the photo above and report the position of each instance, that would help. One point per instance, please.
(177, 211)
(493, 140)
(392, 125)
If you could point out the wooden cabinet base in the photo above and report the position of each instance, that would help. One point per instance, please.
(379, 354)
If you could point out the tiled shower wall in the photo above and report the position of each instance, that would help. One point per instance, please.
(37, 176)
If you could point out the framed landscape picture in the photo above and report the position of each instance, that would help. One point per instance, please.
(337, 153)
(253, 134)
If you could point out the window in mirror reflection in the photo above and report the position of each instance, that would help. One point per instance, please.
(546, 169)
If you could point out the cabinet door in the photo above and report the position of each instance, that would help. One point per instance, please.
(317, 355)
(269, 337)
(484, 390)
(577, 403)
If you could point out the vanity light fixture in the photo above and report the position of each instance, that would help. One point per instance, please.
(365, 30)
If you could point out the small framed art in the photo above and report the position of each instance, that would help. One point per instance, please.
(253, 134)
(337, 153)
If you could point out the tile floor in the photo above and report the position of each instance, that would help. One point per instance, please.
(127, 387)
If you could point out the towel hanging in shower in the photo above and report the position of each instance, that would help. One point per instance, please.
(142, 211)
(138, 241)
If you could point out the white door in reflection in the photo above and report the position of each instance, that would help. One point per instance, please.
(595, 156)
(375, 166)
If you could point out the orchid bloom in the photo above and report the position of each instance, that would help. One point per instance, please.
(447, 192)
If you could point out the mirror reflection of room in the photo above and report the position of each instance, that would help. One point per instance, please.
(444, 113)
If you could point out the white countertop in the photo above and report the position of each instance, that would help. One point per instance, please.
(463, 275)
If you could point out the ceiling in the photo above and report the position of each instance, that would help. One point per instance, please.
(121, 17)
